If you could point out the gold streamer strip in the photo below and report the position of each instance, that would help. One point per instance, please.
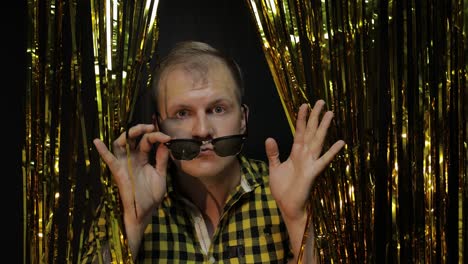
(65, 111)
(282, 54)
(125, 38)
(395, 74)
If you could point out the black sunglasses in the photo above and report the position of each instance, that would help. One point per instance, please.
(188, 148)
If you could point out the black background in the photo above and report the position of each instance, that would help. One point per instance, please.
(13, 84)
(228, 26)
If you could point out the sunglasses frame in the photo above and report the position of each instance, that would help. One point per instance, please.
(212, 141)
(200, 143)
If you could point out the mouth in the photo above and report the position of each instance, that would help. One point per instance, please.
(206, 147)
(205, 152)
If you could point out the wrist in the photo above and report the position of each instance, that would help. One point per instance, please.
(297, 225)
(135, 230)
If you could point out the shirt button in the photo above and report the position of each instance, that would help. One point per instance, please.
(212, 259)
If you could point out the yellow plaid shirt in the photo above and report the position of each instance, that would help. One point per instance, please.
(250, 230)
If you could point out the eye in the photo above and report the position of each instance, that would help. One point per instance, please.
(218, 109)
(181, 114)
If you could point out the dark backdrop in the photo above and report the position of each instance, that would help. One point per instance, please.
(228, 26)
(13, 83)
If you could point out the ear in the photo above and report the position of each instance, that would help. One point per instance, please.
(245, 118)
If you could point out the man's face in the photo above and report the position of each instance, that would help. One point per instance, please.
(200, 101)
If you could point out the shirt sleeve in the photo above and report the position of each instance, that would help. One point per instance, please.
(96, 247)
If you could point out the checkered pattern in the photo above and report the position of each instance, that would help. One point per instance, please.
(250, 231)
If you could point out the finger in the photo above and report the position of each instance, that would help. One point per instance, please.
(140, 129)
(119, 144)
(316, 143)
(328, 157)
(272, 152)
(130, 136)
(150, 139)
(301, 123)
(314, 116)
(121, 181)
(323, 127)
(162, 156)
(105, 154)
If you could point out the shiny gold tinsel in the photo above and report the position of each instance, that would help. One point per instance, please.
(87, 60)
(395, 74)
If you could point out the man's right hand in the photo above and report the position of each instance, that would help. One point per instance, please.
(141, 185)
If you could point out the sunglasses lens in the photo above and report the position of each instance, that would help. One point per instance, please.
(184, 150)
(188, 149)
(228, 146)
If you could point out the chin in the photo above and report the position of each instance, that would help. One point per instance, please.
(207, 166)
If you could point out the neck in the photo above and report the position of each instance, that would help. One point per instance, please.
(201, 190)
(209, 194)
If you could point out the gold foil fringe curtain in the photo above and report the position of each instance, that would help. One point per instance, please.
(87, 62)
(395, 75)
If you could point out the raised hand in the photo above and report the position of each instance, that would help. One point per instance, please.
(291, 181)
(141, 185)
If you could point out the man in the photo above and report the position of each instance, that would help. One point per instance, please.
(203, 201)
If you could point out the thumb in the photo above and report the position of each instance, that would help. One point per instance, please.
(272, 152)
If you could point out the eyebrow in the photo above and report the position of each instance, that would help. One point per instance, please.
(217, 101)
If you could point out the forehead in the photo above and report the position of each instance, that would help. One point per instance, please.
(198, 68)
(196, 79)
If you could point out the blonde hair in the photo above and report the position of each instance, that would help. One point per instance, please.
(196, 55)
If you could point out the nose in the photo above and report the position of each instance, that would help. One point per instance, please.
(202, 128)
